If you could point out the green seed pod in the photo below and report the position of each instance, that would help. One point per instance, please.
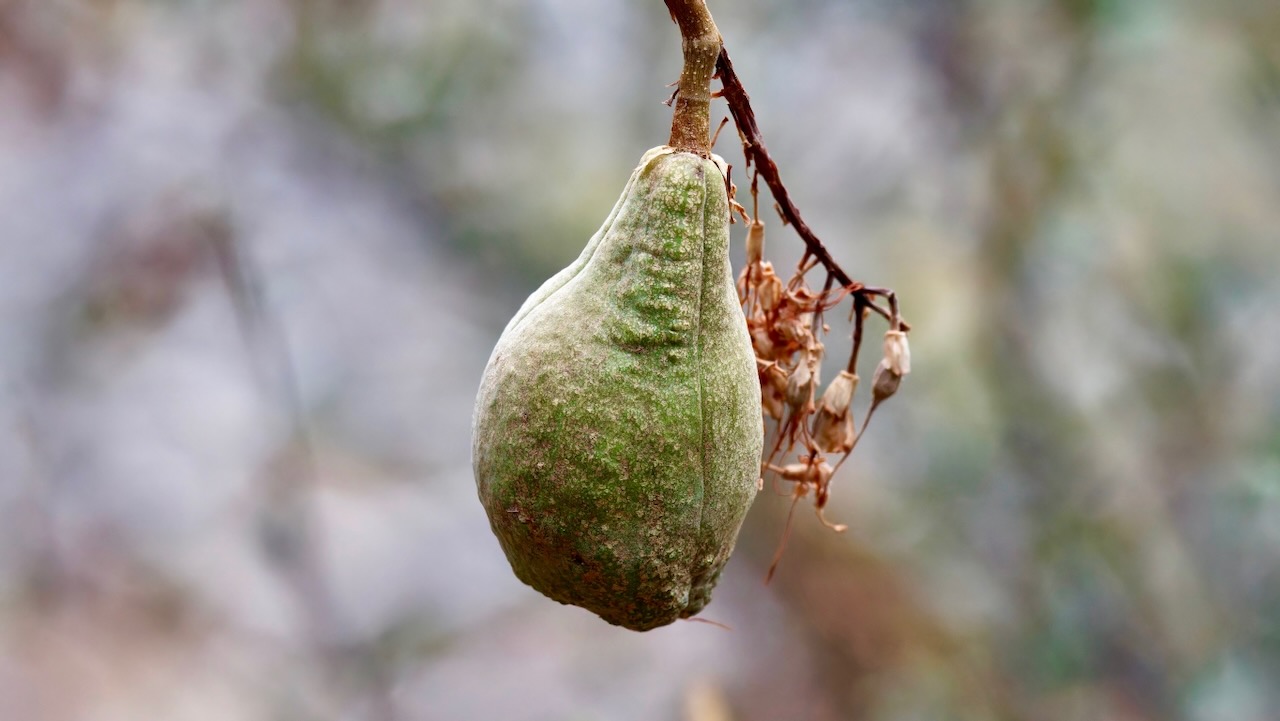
(618, 431)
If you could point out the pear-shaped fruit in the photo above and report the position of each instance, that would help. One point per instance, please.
(617, 431)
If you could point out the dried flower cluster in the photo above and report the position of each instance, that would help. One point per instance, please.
(785, 321)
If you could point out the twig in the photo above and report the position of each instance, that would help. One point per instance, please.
(754, 148)
(691, 122)
(691, 128)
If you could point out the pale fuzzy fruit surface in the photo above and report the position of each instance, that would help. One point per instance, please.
(617, 432)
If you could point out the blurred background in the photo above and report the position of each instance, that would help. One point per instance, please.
(254, 255)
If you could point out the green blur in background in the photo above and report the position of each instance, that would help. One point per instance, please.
(254, 254)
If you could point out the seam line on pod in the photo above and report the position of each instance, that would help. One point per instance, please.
(702, 370)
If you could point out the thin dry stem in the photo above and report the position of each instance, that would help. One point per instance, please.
(754, 148)
(786, 534)
(784, 320)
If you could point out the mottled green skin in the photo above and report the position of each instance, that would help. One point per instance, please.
(618, 430)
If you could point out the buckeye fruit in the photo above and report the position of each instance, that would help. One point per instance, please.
(617, 431)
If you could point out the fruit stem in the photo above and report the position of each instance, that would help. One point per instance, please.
(701, 42)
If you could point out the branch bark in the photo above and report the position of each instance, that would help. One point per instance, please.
(701, 42)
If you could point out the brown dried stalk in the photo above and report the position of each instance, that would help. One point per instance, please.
(704, 51)
(785, 322)
(756, 152)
